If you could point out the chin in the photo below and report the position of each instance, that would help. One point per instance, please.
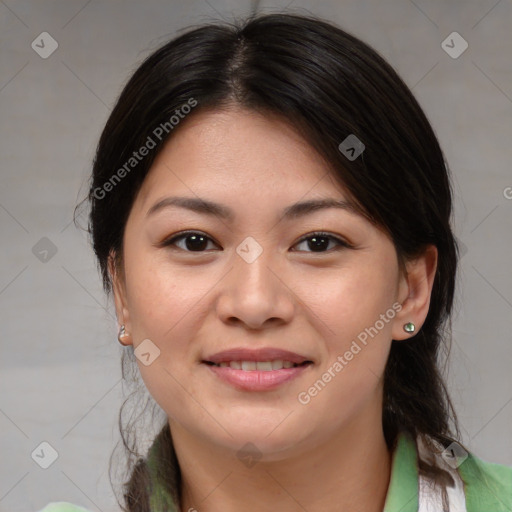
(261, 441)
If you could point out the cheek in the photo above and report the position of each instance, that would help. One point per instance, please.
(162, 295)
(355, 309)
(356, 342)
(350, 299)
(166, 307)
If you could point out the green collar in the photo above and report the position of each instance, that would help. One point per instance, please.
(402, 492)
(487, 486)
(160, 499)
(403, 484)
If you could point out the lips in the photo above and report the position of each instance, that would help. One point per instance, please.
(257, 370)
(256, 355)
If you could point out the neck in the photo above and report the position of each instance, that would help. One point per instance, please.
(348, 471)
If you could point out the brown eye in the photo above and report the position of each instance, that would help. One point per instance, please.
(194, 241)
(319, 242)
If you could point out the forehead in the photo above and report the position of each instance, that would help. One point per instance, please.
(238, 151)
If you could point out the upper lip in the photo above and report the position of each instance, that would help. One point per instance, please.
(262, 354)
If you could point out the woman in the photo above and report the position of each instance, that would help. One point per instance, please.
(271, 210)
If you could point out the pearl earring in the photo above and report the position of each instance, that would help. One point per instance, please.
(122, 336)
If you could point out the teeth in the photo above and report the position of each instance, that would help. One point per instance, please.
(277, 364)
(265, 366)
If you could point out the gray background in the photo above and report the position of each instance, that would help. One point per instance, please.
(60, 366)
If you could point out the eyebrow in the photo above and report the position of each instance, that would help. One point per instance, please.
(293, 211)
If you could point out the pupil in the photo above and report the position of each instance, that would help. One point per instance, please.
(198, 242)
(315, 244)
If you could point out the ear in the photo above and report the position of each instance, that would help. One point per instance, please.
(120, 298)
(414, 291)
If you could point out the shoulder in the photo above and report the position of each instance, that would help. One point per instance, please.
(486, 484)
(478, 485)
(62, 506)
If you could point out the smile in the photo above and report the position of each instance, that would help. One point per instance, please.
(257, 375)
(265, 366)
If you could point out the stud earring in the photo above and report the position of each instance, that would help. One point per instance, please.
(409, 327)
(122, 336)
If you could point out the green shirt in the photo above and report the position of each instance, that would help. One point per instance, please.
(487, 487)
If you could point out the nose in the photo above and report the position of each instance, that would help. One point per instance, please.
(255, 294)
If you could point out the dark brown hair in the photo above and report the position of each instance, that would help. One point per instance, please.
(327, 84)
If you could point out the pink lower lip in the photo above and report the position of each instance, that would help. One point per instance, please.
(257, 380)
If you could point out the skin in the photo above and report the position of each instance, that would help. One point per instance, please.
(329, 454)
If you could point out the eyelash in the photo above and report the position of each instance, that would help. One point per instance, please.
(341, 243)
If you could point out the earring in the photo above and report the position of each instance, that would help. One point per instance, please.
(409, 327)
(122, 336)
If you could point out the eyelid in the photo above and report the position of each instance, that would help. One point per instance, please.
(325, 234)
(181, 234)
(337, 238)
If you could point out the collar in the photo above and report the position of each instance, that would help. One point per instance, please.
(486, 486)
(403, 487)
(402, 491)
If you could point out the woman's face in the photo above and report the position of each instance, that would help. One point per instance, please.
(259, 279)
